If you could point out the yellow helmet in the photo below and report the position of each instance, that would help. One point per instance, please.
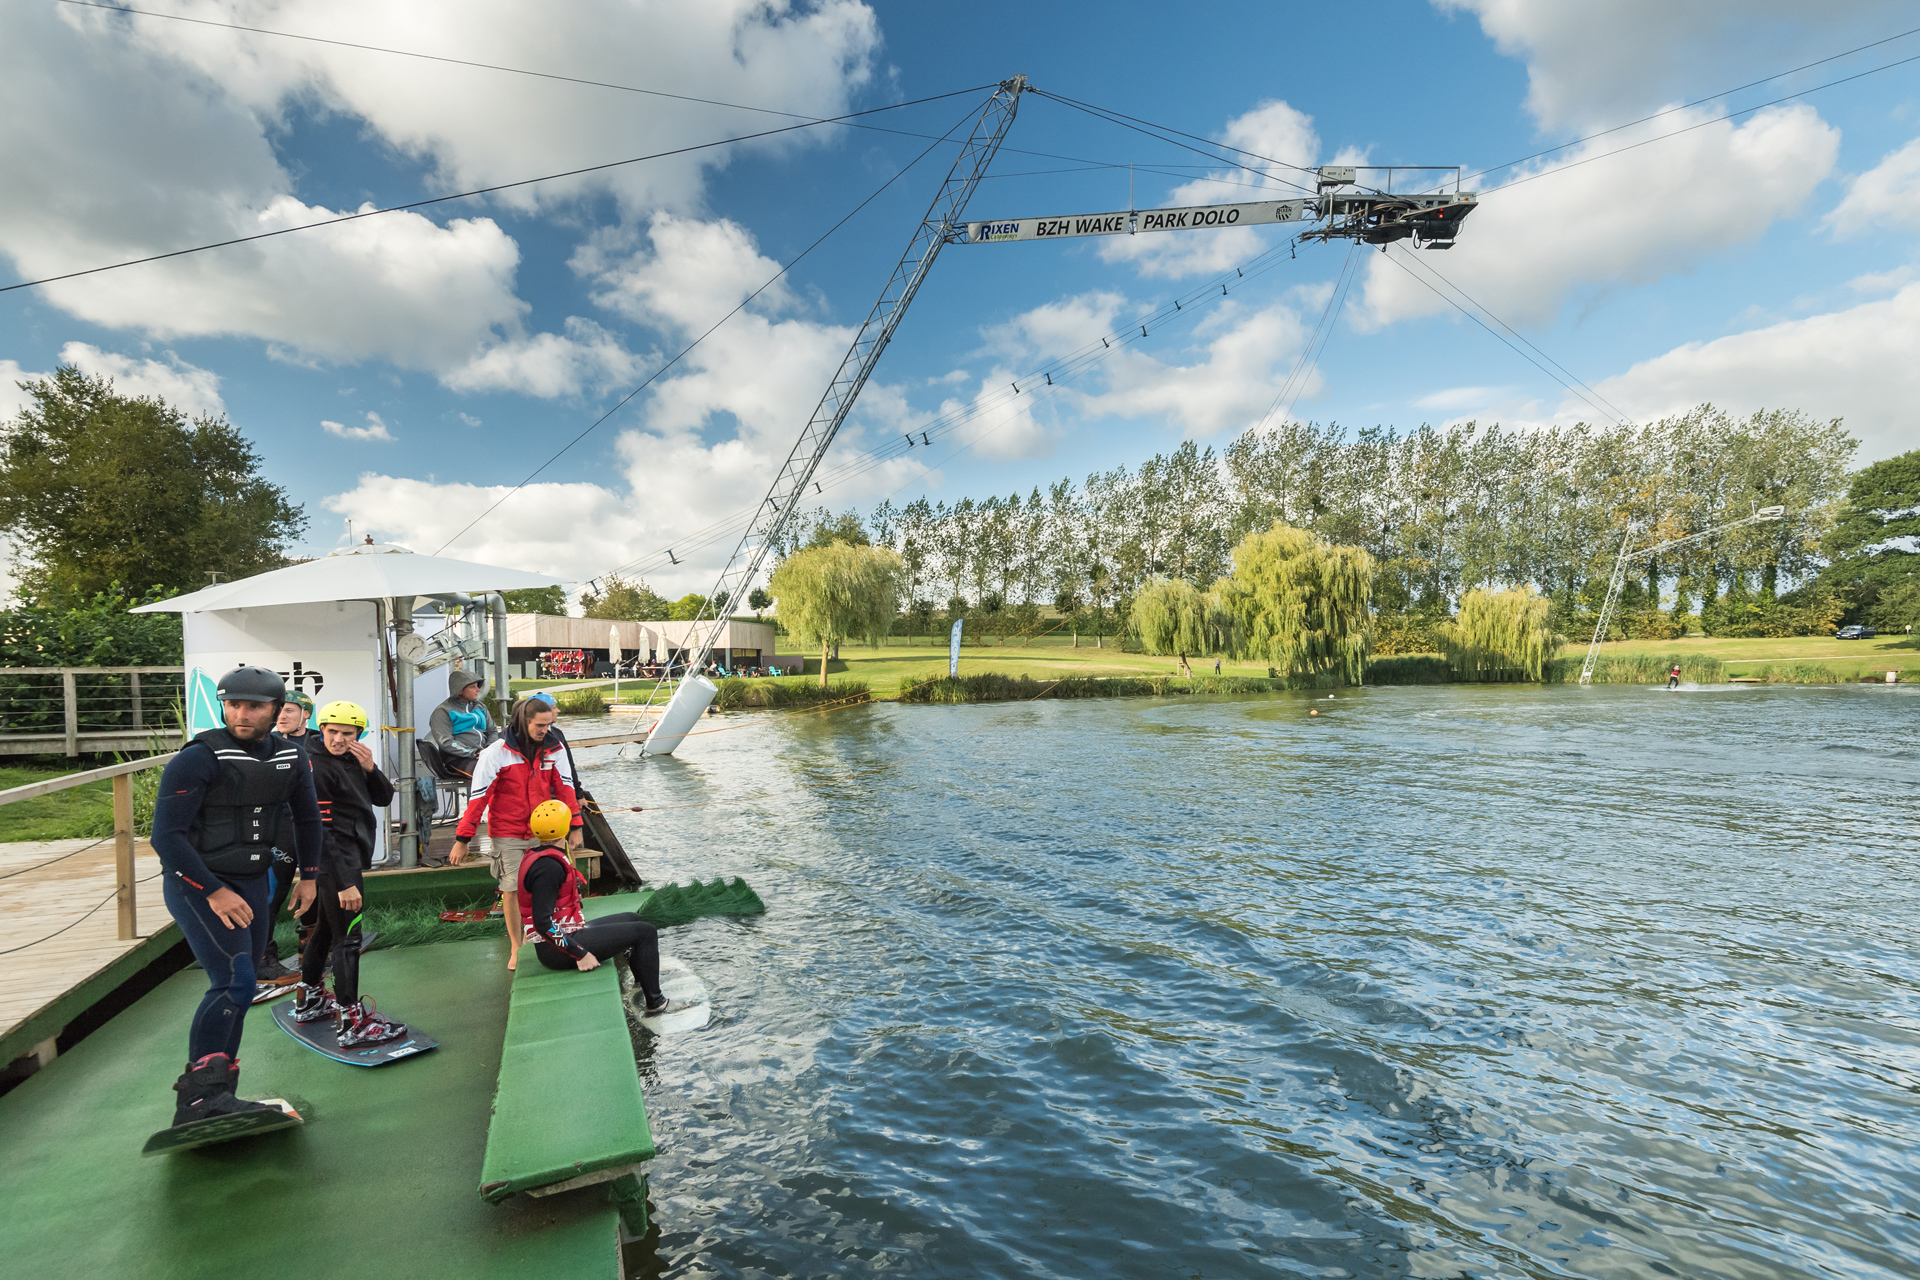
(550, 820)
(342, 713)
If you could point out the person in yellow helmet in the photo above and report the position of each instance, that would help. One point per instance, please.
(350, 787)
(552, 917)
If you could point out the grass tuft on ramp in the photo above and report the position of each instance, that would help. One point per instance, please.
(418, 924)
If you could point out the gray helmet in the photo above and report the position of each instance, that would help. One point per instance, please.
(252, 684)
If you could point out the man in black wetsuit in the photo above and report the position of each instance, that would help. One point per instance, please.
(349, 787)
(551, 915)
(227, 801)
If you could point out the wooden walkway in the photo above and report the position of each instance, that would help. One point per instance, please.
(41, 895)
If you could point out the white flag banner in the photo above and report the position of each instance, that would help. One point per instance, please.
(1202, 217)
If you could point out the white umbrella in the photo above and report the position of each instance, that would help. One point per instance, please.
(613, 652)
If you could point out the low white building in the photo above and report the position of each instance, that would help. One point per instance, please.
(742, 643)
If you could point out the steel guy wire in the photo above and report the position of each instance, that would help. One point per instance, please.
(684, 351)
(480, 191)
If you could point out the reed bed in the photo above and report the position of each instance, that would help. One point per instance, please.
(1639, 668)
(992, 687)
(418, 923)
(740, 694)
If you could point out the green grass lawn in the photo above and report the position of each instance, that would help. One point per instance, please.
(1848, 659)
(77, 811)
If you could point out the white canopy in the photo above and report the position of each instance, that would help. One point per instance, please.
(375, 571)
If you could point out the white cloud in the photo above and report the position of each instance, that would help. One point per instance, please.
(1458, 399)
(1855, 364)
(585, 358)
(1625, 220)
(1887, 195)
(374, 430)
(163, 142)
(12, 399)
(1274, 130)
(184, 386)
(1594, 65)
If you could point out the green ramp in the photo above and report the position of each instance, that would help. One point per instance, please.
(568, 1104)
(378, 1182)
(568, 1101)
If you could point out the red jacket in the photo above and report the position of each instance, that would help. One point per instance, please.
(507, 786)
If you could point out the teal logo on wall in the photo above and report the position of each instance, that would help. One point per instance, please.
(203, 703)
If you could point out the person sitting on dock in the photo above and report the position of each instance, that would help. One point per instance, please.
(552, 919)
(226, 801)
(460, 725)
(510, 778)
(350, 787)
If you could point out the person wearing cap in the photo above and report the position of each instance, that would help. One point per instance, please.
(227, 801)
(350, 788)
(460, 725)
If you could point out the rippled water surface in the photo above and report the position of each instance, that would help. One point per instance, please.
(1443, 982)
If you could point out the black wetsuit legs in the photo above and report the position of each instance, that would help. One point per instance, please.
(227, 956)
(608, 937)
(336, 931)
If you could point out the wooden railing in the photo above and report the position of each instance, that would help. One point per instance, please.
(122, 776)
(125, 705)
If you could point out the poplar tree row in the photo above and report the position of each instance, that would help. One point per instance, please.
(1441, 511)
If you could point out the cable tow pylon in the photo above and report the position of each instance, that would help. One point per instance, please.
(789, 487)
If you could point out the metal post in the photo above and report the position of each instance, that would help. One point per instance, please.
(73, 713)
(403, 733)
(135, 678)
(123, 855)
(502, 678)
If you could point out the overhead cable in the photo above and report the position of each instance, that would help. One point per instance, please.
(1731, 115)
(1573, 385)
(683, 352)
(1697, 102)
(481, 191)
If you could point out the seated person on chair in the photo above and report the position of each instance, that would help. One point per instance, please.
(551, 917)
(460, 725)
(350, 787)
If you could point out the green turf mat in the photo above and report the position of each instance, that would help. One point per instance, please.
(568, 1097)
(377, 1182)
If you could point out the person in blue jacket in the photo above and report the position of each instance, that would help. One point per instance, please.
(227, 801)
(460, 725)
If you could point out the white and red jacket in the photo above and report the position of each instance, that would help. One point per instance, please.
(509, 781)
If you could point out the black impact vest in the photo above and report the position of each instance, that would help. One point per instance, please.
(244, 816)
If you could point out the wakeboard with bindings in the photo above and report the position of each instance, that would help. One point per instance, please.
(212, 1129)
(677, 982)
(319, 1037)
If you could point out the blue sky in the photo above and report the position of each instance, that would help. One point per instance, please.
(402, 371)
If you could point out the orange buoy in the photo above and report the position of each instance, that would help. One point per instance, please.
(1313, 713)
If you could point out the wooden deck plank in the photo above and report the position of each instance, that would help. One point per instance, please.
(50, 884)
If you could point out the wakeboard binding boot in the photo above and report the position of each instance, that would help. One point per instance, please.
(310, 1004)
(206, 1089)
(360, 1023)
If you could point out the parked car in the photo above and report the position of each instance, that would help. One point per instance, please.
(1855, 633)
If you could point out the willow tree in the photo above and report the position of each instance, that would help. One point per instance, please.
(1171, 617)
(1500, 635)
(1302, 605)
(837, 592)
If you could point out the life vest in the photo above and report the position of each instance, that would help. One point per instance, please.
(243, 816)
(567, 914)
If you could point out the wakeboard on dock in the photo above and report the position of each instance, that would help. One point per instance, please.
(318, 1036)
(677, 982)
(243, 1124)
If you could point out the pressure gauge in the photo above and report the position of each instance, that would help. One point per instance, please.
(412, 648)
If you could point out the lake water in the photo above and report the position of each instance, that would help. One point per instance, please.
(1443, 982)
